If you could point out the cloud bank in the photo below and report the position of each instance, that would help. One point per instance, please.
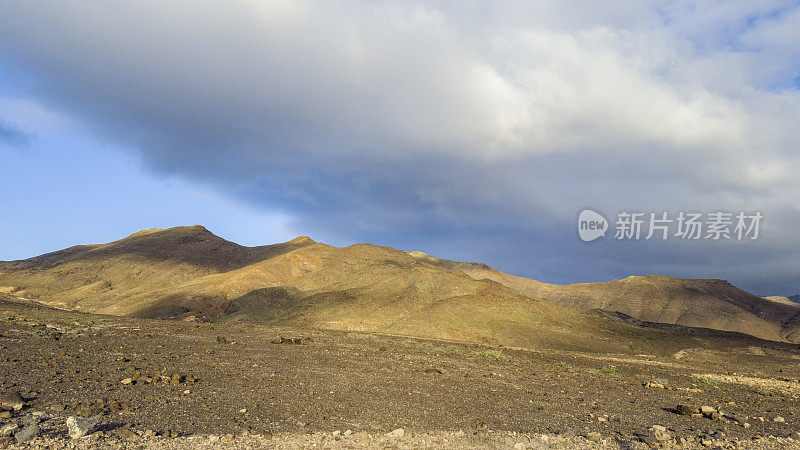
(473, 130)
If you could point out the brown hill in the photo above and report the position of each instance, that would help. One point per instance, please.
(714, 304)
(189, 273)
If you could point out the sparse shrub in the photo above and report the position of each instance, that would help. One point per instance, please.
(760, 390)
(610, 370)
(491, 354)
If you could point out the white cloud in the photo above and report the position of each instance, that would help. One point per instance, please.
(427, 112)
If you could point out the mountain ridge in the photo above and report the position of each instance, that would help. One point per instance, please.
(191, 274)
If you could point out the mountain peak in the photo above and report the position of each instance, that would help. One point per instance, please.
(192, 229)
(302, 240)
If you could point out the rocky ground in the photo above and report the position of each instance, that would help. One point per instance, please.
(134, 383)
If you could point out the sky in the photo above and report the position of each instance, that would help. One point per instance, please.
(468, 130)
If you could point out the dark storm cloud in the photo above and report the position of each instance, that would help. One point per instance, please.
(466, 133)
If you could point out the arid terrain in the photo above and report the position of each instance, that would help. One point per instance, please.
(179, 339)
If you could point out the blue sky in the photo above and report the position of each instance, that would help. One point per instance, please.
(473, 131)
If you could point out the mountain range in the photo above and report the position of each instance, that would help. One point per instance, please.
(188, 273)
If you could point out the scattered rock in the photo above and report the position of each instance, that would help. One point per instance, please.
(5, 414)
(27, 433)
(707, 410)
(660, 433)
(348, 432)
(594, 436)
(568, 433)
(396, 433)
(8, 429)
(12, 401)
(738, 418)
(654, 384)
(127, 381)
(78, 427)
(177, 378)
(687, 410)
(519, 446)
(127, 434)
(222, 340)
(779, 419)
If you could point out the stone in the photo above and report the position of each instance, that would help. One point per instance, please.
(650, 441)
(568, 433)
(706, 442)
(348, 432)
(78, 427)
(738, 418)
(5, 414)
(127, 381)
(8, 429)
(594, 436)
(27, 433)
(127, 434)
(519, 446)
(707, 410)
(779, 419)
(660, 433)
(715, 416)
(12, 401)
(397, 433)
(687, 410)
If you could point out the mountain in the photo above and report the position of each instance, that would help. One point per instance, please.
(782, 300)
(189, 273)
(714, 304)
(795, 298)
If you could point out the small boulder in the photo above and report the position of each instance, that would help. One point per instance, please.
(779, 419)
(594, 436)
(78, 427)
(27, 433)
(660, 433)
(687, 410)
(707, 410)
(12, 401)
(397, 433)
(8, 429)
(127, 434)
